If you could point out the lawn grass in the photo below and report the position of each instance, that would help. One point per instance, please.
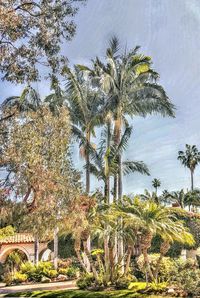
(81, 294)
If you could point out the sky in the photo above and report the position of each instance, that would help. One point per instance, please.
(169, 32)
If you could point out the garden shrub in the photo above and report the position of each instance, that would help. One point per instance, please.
(19, 277)
(8, 278)
(52, 273)
(124, 282)
(71, 272)
(63, 271)
(85, 281)
(189, 281)
(166, 266)
(28, 268)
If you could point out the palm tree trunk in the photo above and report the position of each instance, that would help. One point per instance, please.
(145, 245)
(192, 179)
(106, 254)
(92, 265)
(87, 157)
(36, 250)
(77, 248)
(165, 246)
(128, 260)
(88, 189)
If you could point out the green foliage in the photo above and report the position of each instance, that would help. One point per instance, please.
(165, 267)
(35, 273)
(124, 282)
(20, 277)
(65, 246)
(85, 281)
(7, 231)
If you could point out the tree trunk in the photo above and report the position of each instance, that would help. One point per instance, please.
(92, 265)
(165, 246)
(145, 245)
(77, 248)
(55, 257)
(128, 260)
(192, 179)
(88, 189)
(36, 250)
(112, 262)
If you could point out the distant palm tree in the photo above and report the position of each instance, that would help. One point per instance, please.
(190, 159)
(156, 183)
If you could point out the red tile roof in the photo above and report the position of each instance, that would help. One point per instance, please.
(18, 238)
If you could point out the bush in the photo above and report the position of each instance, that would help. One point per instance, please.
(35, 273)
(166, 266)
(142, 287)
(63, 271)
(71, 272)
(189, 281)
(20, 277)
(28, 268)
(50, 273)
(124, 282)
(8, 278)
(85, 281)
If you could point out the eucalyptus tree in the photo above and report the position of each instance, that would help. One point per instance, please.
(131, 88)
(156, 183)
(190, 158)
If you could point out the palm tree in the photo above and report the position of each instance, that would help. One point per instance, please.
(190, 158)
(84, 111)
(154, 219)
(130, 85)
(156, 183)
(105, 161)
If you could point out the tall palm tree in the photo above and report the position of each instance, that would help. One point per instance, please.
(131, 88)
(156, 183)
(84, 111)
(190, 158)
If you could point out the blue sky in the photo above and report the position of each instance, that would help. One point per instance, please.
(169, 32)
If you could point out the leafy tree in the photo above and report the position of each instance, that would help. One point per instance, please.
(31, 35)
(43, 176)
(29, 100)
(190, 159)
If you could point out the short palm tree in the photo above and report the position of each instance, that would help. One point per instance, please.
(156, 183)
(154, 219)
(190, 158)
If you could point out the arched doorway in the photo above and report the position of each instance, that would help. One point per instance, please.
(21, 251)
